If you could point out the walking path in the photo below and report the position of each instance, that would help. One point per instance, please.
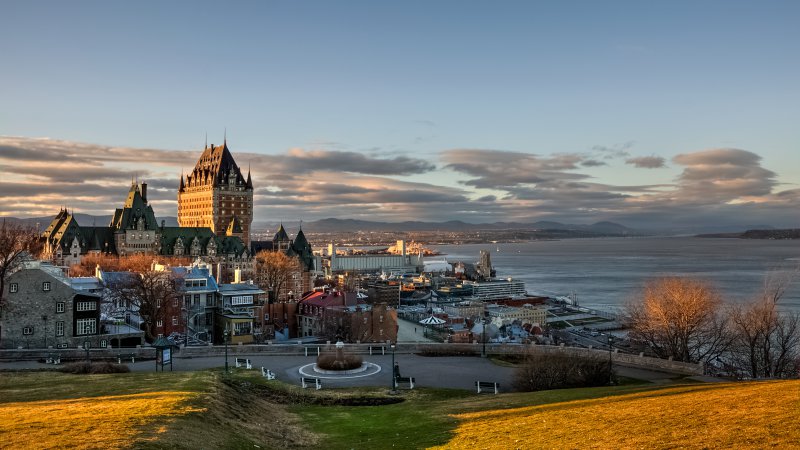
(439, 372)
(411, 332)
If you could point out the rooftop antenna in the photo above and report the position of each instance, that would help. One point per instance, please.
(225, 138)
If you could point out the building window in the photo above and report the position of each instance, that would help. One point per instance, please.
(86, 306)
(13, 287)
(160, 323)
(103, 343)
(60, 307)
(174, 302)
(59, 328)
(174, 320)
(241, 328)
(27, 330)
(266, 317)
(242, 300)
(86, 326)
(46, 286)
(196, 299)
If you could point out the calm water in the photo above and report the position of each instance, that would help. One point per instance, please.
(606, 272)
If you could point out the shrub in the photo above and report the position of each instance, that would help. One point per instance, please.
(328, 361)
(83, 367)
(543, 371)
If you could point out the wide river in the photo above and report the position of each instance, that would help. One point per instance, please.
(606, 272)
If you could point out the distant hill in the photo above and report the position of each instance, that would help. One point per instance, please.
(85, 220)
(333, 225)
(789, 233)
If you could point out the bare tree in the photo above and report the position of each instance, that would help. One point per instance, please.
(273, 271)
(16, 241)
(766, 340)
(680, 318)
(151, 292)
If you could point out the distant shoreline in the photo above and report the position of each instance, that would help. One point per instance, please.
(786, 234)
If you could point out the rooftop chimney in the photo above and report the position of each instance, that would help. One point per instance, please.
(144, 191)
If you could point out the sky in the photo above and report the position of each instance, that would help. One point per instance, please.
(650, 114)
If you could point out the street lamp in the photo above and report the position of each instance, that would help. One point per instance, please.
(610, 346)
(187, 302)
(485, 323)
(225, 338)
(394, 374)
(44, 318)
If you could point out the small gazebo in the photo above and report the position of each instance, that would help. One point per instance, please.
(432, 320)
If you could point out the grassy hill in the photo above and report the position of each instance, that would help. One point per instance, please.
(201, 410)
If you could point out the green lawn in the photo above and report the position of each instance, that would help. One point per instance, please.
(244, 410)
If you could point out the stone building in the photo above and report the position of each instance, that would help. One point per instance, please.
(43, 310)
(216, 195)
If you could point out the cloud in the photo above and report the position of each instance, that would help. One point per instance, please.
(722, 175)
(592, 163)
(647, 162)
(38, 176)
(495, 169)
(615, 151)
(303, 161)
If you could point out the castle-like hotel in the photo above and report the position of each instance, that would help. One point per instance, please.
(215, 214)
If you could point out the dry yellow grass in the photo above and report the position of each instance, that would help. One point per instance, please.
(751, 415)
(90, 422)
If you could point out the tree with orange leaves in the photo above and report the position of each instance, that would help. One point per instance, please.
(681, 318)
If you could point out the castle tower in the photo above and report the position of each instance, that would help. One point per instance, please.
(216, 195)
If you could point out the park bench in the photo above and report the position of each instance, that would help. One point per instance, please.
(121, 356)
(242, 362)
(307, 382)
(404, 380)
(375, 349)
(487, 387)
(268, 374)
(312, 350)
(53, 359)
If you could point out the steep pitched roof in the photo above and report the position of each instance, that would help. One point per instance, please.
(187, 235)
(302, 249)
(257, 246)
(55, 223)
(225, 245)
(135, 209)
(215, 166)
(281, 235)
(98, 239)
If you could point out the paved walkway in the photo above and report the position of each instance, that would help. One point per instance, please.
(439, 372)
(411, 332)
